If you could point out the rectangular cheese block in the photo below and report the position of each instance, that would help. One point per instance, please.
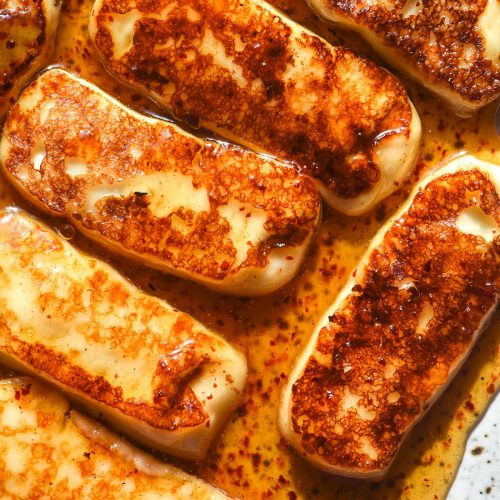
(250, 74)
(228, 218)
(401, 327)
(151, 371)
(48, 449)
(451, 48)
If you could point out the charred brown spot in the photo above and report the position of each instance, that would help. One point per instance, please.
(173, 372)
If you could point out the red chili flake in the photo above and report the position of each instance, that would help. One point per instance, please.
(490, 389)
(282, 324)
(256, 459)
(469, 405)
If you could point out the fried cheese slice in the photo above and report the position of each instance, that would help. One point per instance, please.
(401, 327)
(28, 30)
(228, 218)
(48, 449)
(452, 48)
(152, 372)
(245, 71)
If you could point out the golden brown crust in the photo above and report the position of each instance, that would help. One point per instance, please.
(328, 118)
(440, 39)
(69, 121)
(406, 324)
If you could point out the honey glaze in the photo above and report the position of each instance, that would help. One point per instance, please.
(250, 460)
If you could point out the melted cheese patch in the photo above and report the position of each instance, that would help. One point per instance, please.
(38, 154)
(474, 221)
(489, 28)
(75, 167)
(16, 418)
(167, 192)
(15, 461)
(122, 31)
(412, 8)
(212, 47)
(246, 227)
(69, 472)
(305, 63)
(424, 319)
(367, 448)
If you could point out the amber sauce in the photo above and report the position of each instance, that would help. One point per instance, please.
(250, 460)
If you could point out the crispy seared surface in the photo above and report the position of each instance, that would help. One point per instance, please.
(200, 209)
(404, 324)
(75, 321)
(45, 450)
(444, 41)
(254, 76)
(26, 28)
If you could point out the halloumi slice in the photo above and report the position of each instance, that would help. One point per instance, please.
(152, 371)
(245, 71)
(228, 218)
(47, 449)
(452, 48)
(401, 327)
(28, 30)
